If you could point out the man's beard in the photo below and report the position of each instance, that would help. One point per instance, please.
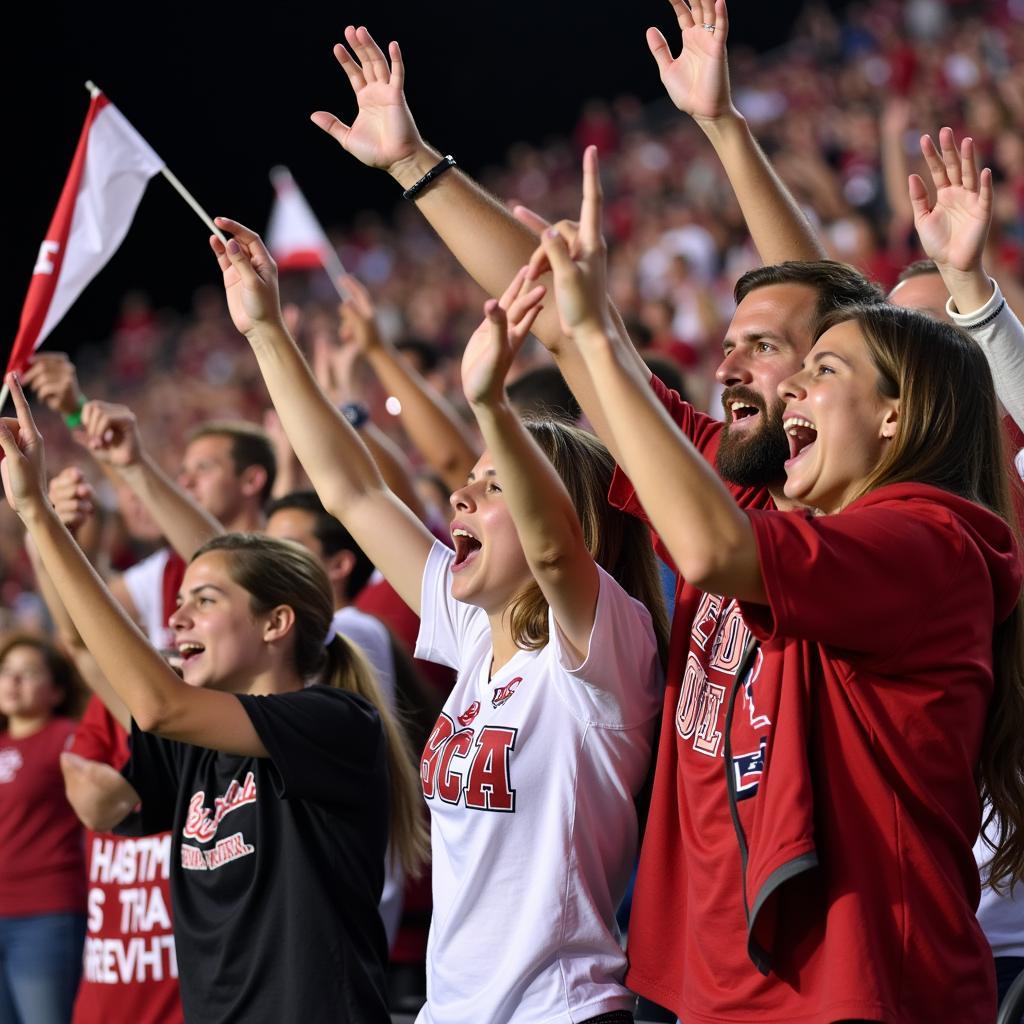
(757, 459)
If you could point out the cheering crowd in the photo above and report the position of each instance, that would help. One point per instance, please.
(676, 540)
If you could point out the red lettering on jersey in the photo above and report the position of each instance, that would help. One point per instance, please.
(690, 697)
(502, 693)
(443, 729)
(449, 783)
(202, 823)
(490, 783)
(467, 716)
(705, 619)
(730, 640)
(708, 735)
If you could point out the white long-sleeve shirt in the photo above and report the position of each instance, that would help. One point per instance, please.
(1000, 334)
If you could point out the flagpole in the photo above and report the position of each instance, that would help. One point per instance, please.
(172, 180)
(335, 271)
(4, 392)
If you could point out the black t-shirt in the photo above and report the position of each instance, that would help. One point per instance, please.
(277, 863)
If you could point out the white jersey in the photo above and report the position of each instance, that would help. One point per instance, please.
(372, 637)
(145, 584)
(530, 778)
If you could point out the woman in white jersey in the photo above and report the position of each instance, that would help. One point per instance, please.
(532, 769)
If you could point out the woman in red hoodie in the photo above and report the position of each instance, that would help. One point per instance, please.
(42, 859)
(876, 645)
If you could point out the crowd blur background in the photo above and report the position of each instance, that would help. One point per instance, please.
(839, 108)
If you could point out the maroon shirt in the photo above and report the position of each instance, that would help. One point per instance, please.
(42, 867)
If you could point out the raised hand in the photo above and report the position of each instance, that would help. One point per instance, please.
(51, 377)
(358, 317)
(697, 81)
(383, 133)
(954, 229)
(580, 273)
(250, 277)
(23, 467)
(493, 345)
(72, 497)
(111, 434)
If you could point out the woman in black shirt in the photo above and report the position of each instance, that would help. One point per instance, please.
(277, 792)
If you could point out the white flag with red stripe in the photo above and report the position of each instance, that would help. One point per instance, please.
(294, 235)
(110, 170)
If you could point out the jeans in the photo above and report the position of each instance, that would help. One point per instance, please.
(40, 964)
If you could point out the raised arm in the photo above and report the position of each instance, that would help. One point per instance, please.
(954, 229)
(433, 426)
(697, 82)
(337, 372)
(710, 539)
(481, 234)
(475, 226)
(112, 436)
(953, 232)
(542, 511)
(336, 461)
(154, 695)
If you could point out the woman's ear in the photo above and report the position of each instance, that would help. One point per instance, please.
(891, 422)
(278, 623)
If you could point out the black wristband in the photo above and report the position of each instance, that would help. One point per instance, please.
(435, 172)
(356, 413)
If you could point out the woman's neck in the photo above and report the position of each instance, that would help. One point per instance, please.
(18, 728)
(503, 646)
(274, 680)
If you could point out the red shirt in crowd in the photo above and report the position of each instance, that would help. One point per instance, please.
(42, 870)
(867, 699)
(129, 971)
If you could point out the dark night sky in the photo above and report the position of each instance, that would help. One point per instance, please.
(223, 91)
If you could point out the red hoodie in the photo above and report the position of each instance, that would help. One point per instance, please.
(850, 754)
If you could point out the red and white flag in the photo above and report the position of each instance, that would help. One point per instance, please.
(294, 235)
(110, 170)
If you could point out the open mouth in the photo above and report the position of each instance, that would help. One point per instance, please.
(466, 547)
(802, 434)
(740, 410)
(189, 650)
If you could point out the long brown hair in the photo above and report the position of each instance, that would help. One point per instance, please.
(619, 543)
(281, 572)
(63, 673)
(949, 435)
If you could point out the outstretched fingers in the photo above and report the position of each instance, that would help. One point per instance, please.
(937, 169)
(591, 240)
(985, 191)
(968, 164)
(660, 51)
(950, 155)
(684, 16)
(919, 199)
(334, 126)
(397, 65)
(534, 221)
(721, 21)
(348, 63)
(26, 425)
(375, 67)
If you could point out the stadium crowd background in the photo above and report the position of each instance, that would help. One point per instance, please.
(839, 109)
